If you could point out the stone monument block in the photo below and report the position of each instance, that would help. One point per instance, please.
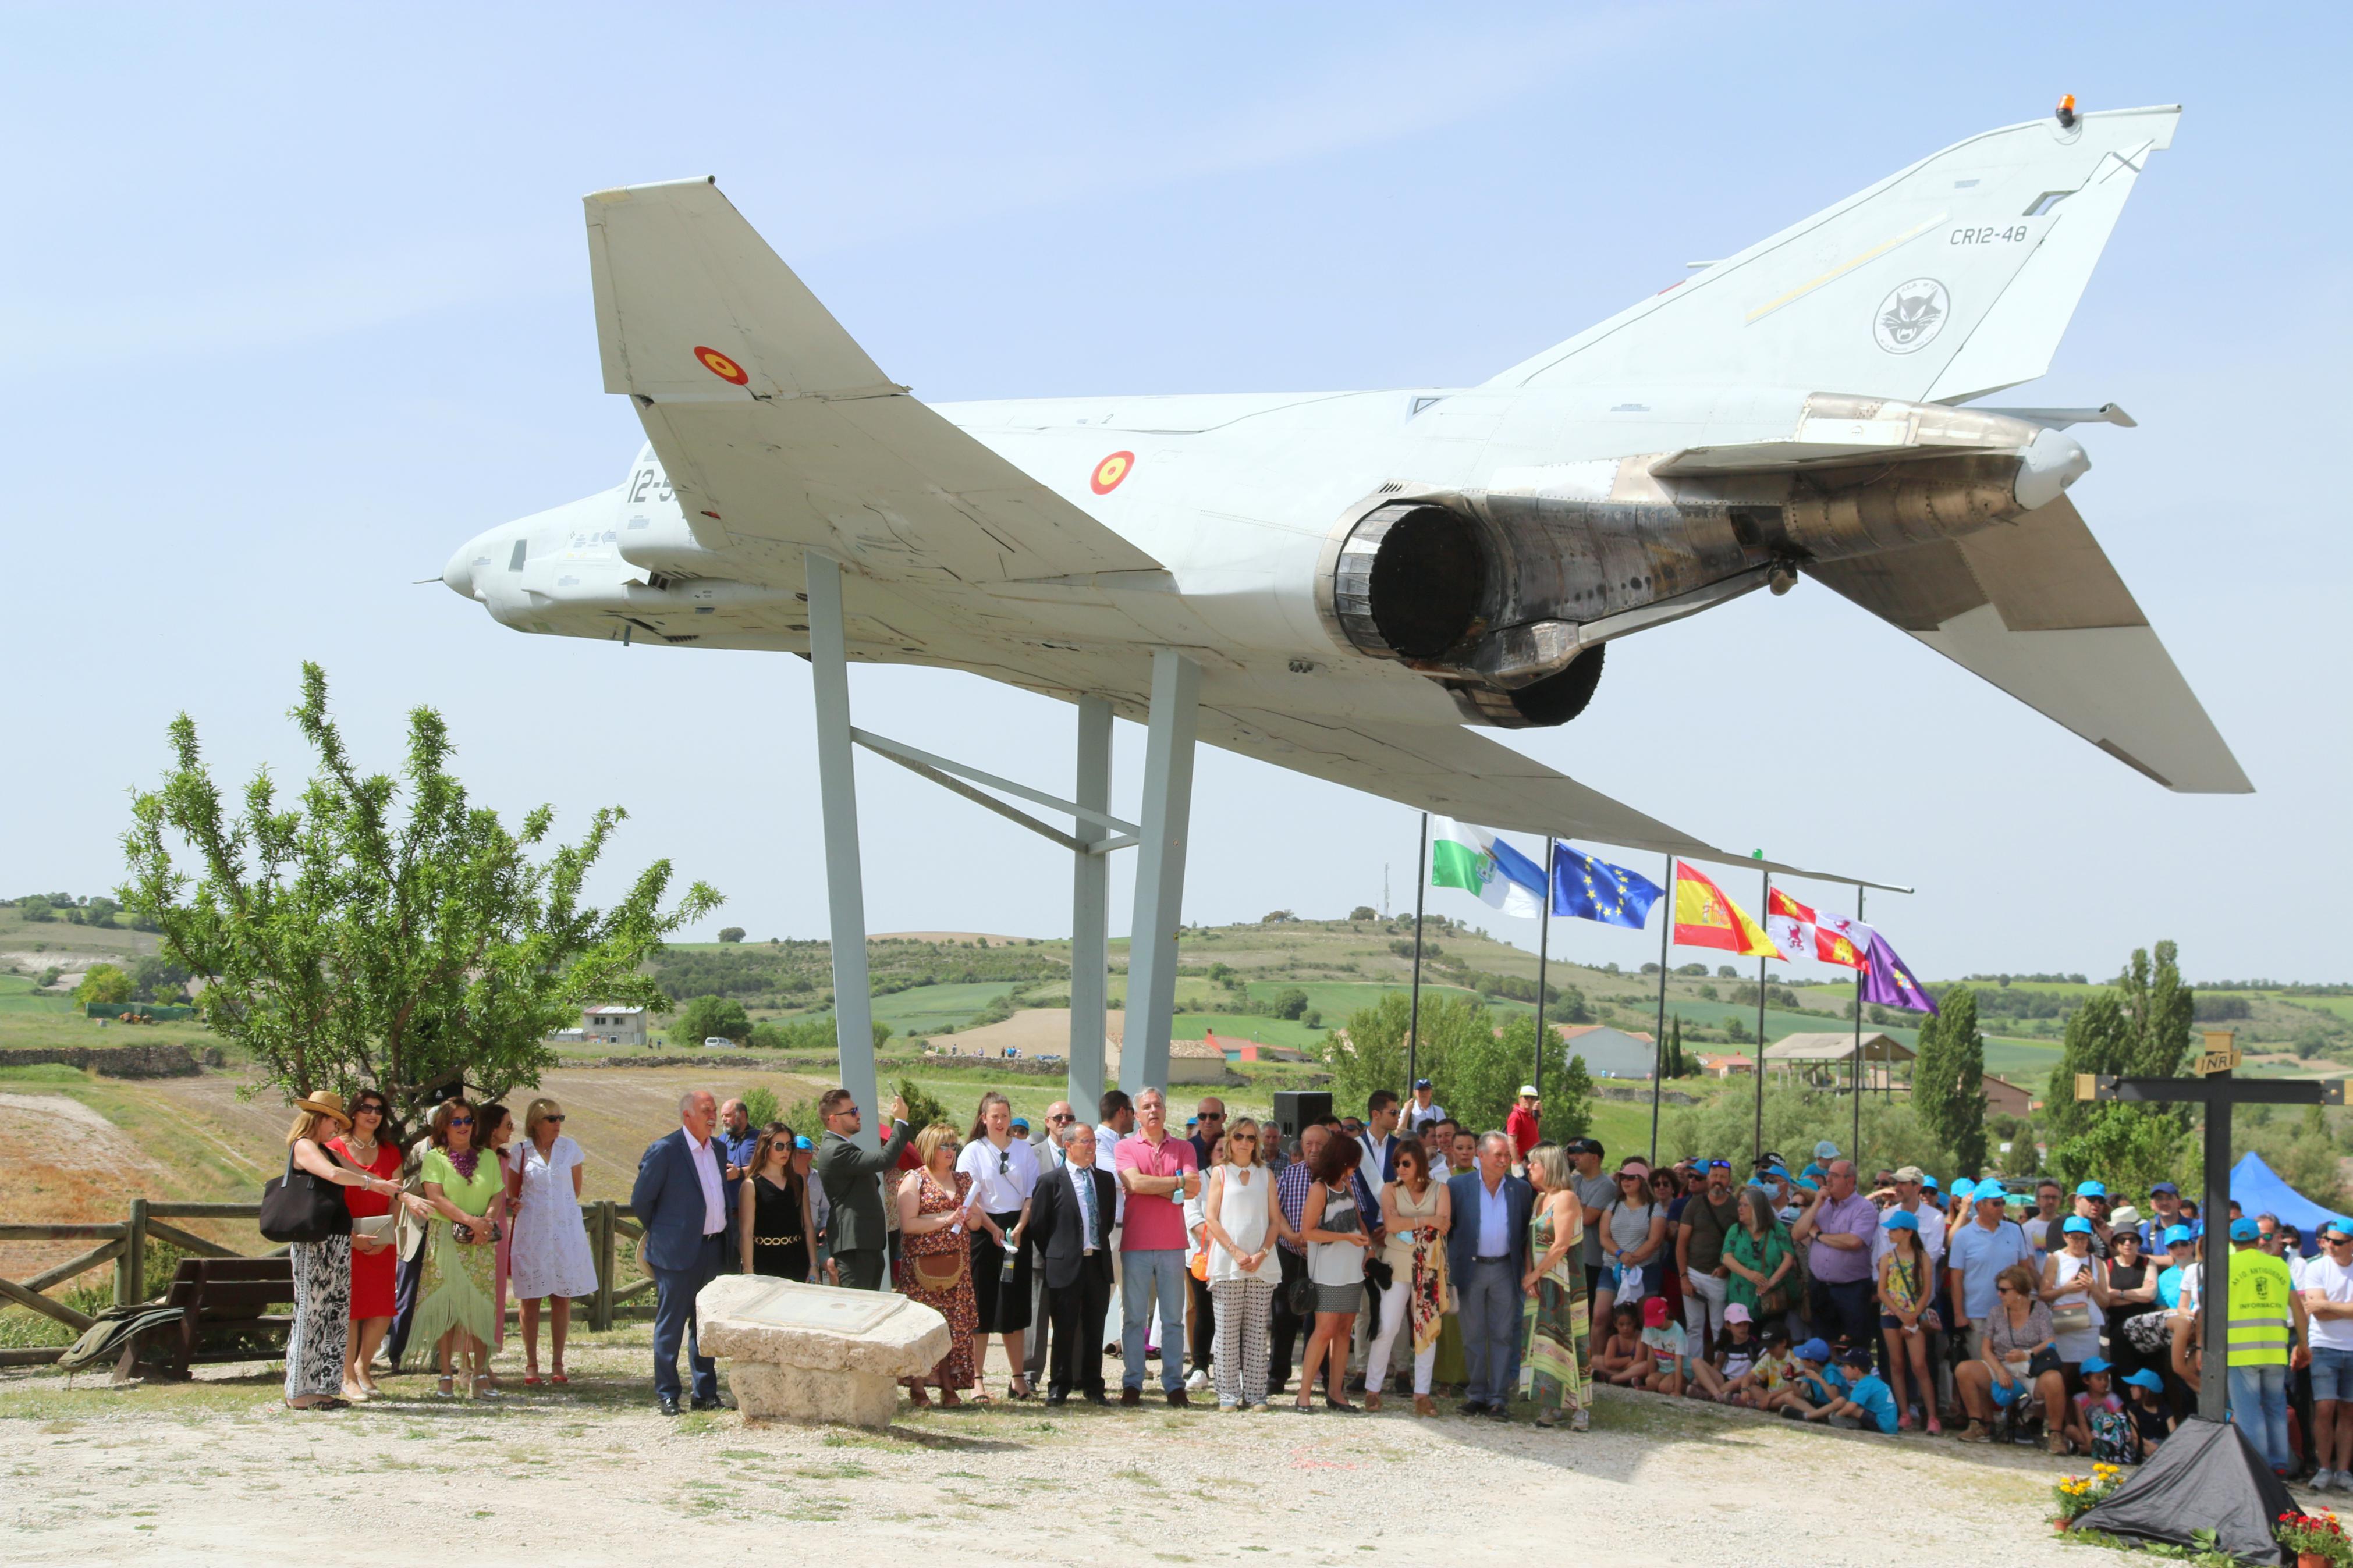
(816, 1352)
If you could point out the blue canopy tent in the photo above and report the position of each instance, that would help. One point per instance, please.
(2257, 1189)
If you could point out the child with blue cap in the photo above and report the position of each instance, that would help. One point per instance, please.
(2152, 1419)
(1868, 1402)
(2097, 1423)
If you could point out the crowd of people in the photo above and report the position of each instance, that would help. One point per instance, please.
(1396, 1251)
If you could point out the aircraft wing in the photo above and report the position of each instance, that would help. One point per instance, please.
(773, 424)
(1460, 774)
(2035, 607)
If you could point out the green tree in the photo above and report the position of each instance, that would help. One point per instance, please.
(1364, 912)
(34, 906)
(2140, 1028)
(1291, 1003)
(731, 933)
(710, 1017)
(1476, 1073)
(1947, 1092)
(105, 985)
(155, 979)
(760, 1106)
(386, 933)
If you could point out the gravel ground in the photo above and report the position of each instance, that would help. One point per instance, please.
(217, 1471)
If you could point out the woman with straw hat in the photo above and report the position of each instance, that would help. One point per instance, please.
(320, 1332)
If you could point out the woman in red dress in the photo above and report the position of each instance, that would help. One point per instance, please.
(372, 1258)
(935, 1220)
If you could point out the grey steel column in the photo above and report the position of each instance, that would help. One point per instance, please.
(1160, 871)
(1090, 901)
(845, 890)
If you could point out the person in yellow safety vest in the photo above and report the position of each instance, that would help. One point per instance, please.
(2266, 1332)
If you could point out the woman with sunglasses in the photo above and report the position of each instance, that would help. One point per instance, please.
(457, 1305)
(1633, 1235)
(551, 1259)
(367, 1148)
(1003, 1171)
(2003, 1375)
(776, 1233)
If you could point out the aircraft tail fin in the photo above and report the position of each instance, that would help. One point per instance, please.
(1953, 278)
(2036, 608)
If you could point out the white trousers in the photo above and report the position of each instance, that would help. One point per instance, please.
(1393, 1316)
(1703, 1311)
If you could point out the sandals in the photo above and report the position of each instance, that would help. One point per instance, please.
(446, 1391)
(531, 1380)
(559, 1379)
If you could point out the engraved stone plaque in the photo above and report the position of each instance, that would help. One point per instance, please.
(832, 1309)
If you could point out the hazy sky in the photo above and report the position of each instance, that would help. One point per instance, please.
(295, 300)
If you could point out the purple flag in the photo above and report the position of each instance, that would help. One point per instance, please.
(1887, 981)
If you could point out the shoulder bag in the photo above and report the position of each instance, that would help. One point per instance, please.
(299, 1206)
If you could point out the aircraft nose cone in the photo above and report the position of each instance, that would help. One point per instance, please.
(458, 575)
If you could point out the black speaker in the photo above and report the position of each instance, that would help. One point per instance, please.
(1298, 1107)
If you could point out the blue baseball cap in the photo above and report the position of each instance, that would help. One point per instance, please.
(2179, 1236)
(2145, 1378)
(2091, 1189)
(1812, 1350)
(1898, 1219)
(2077, 1225)
(2162, 1187)
(1811, 1184)
(1962, 1188)
(1927, 1183)
(800, 1142)
(1021, 1121)
(2095, 1364)
(1825, 1150)
(2245, 1230)
(1856, 1355)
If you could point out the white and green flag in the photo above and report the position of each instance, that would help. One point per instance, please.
(1476, 861)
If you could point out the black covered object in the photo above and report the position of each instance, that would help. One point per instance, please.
(2207, 1476)
(1295, 1109)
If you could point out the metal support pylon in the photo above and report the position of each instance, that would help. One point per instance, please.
(1160, 871)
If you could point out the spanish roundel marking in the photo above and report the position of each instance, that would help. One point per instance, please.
(1110, 471)
(719, 365)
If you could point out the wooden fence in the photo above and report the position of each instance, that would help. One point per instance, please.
(124, 1245)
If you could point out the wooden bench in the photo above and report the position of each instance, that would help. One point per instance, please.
(224, 1311)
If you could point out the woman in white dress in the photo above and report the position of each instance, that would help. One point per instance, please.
(551, 1257)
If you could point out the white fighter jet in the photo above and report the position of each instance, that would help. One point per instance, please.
(1353, 577)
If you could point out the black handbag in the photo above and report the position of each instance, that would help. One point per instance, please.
(299, 1206)
(1378, 1274)
(2043, 1360)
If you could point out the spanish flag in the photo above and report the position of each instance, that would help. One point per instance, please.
(1705, 917)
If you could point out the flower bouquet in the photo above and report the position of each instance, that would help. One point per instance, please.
(2076, 1495)
(2316, 1539)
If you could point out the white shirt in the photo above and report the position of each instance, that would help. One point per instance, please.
(706, 1165)
(2325, 1279)
(1003, 1178)
(1377, 1158)
(1107, 1161)
(1086, 1191)
(1932, 1237)
(1416, 1114)
(1494, 1221)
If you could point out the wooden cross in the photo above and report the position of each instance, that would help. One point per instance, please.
(2216, 1088)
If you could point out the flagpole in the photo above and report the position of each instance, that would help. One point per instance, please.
(1659, 1045)
(1413, 1016)
(1858, 1041)
(1543, 951)
(1757, 1144)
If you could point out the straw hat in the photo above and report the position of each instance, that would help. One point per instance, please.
(328, 1104)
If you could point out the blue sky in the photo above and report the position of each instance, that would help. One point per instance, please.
(295, 300)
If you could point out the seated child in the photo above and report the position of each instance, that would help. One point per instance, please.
(1621, 1359)
(1814, 1384)
(1759, 1387)
(1663, 1337)
(1868, 1402)
(2096, 1422)
(2152, 1417)
(1735, 1352)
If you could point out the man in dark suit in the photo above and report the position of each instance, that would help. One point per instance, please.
(859, 1239)
(1486, 1254)
(1070, 1213)
(677, 1198)
(1050, 1153)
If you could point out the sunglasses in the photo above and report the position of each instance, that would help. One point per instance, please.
(1064, 1117)
(461, 1121)
(1245, 1137)
(1004, 1161)
(1212, 1116)
(556, 1117)
(367, 1108)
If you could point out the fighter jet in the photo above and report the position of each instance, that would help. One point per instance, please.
(1358, 575)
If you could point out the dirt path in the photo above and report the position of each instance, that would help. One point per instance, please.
(590, 1475)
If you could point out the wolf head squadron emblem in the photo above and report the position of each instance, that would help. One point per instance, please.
(1912, 314)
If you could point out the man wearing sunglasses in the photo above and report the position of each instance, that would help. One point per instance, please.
(2327, 1291)
(1208, 1120)
(857, 1238)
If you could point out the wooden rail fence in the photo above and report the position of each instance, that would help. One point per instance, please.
(124, 1245)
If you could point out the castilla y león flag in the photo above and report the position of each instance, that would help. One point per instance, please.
(1833, 938)
(1705, 917)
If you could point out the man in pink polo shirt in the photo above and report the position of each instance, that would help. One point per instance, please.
(1158, 1173)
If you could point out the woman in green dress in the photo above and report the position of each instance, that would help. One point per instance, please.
(1757, 1258)
(1555, 1369)
(457, 1307)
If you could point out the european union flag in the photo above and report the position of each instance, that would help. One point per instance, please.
(1594, 890)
